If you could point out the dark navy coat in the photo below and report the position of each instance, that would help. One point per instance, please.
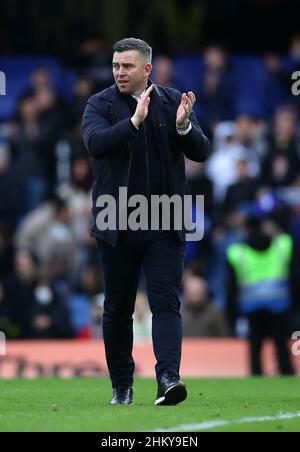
(108, 134)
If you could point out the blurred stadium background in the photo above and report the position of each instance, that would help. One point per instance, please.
(238, 57)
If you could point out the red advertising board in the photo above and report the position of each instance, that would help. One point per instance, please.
(200, 358)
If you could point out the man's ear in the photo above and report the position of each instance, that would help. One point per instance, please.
(148, 69)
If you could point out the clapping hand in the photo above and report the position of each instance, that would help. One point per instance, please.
(142, 108)
(185, 108)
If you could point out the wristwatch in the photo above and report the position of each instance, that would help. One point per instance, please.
(184, 126)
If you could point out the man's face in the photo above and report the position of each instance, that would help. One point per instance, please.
(130, 72)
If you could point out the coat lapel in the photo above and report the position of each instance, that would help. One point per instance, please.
(122, 111)
(119, 108)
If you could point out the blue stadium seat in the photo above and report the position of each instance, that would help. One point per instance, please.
(188, 70)
(251, 79)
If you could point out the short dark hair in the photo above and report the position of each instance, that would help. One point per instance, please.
(134, 44)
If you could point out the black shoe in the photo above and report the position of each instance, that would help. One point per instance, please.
(122, 396)
(171, 391)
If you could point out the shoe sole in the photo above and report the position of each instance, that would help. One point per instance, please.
(173, 395)
(121, 404)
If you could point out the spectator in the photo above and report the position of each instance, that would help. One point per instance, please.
(217, 90)
(6, 252)
(85, 303)
(281, 173)
(279, 82)
(261, 273)
(163, 72)
(200, 317)
(49, 316)
(250, 132)
(97, 313)
(32, 308)
(9, 190)
(94, 61)
(294, 65)
(142, 318)
(293, 195)
(49, 232)
(16, 296)
(199, 183)
(284, 141)
(78, 198)
(243, 191)
(40, 81)
(83, 89)
(30, 159)
(228, 152)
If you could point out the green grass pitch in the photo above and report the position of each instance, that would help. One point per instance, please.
(82, 405)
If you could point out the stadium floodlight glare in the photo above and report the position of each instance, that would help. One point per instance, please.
(2, 84)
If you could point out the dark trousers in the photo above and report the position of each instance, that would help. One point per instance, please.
(264, 325)
(161, 255)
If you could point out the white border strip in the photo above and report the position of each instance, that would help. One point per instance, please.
(209, 425)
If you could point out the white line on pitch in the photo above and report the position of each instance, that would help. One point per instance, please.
(214, 424)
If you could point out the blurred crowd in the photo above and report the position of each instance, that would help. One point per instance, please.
(51, 284)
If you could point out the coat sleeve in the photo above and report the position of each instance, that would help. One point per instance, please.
(195, 145)
(99, 136)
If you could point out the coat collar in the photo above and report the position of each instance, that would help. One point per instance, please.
(121, 109)
(112, 94)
